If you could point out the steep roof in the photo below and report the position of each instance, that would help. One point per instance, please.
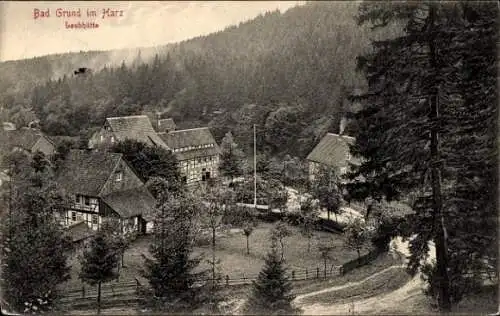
(189, 137)
(166, 125)
(137, 201)
(24, 138)
(85, 172)
(333, 150)
(197, 153)
(136, 127)
(193, 140)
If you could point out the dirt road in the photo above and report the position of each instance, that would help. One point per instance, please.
(399, 301)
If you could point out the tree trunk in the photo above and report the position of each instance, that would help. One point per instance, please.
(248, 245)
(336, 219)
(213, 255)
(325, 268)
(99, 297)
(440, 242)
(368, 211)
(123, 258)
(328, 214)
(359, 253)
(308, 244)
(282, 250)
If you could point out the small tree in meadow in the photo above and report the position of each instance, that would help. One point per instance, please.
(308, 217)
(279, 233)
(325, 250)
(326, 190)
(356, 235)
(248, 228)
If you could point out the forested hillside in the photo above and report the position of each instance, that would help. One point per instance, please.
(289, 73)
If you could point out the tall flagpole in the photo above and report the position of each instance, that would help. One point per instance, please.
(254, 168)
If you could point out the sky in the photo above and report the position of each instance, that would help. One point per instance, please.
(135, 23)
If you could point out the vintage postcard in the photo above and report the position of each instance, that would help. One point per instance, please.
(248, 157)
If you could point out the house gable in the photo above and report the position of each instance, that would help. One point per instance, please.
(333, 150)
(136, 127)
(44, 145)
(121, 178)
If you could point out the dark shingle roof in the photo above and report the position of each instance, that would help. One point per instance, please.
(191, 139)
(197, 153)
(80, 231)
(137, 127)
(137, 201)
(85, 172)
(24, 138)
(333, 150)
(166, 125)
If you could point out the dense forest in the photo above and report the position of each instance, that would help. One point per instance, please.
(290, 73)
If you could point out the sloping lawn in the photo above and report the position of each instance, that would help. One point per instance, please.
(232, 253)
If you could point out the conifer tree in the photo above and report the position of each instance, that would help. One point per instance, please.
(172, 269)
(231, 160)
(33, 244)
(99, 263)
(426, 129)
(271, 292)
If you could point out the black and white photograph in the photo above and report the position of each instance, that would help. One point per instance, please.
(249, 157)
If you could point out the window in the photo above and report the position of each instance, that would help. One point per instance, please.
(119, 176)
(87, 200)
(73, 216)
(112, 139)
(94, 219)
(77, 199)
(102, 138)
(205, 159)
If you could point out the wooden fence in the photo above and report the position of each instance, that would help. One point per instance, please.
(130, 288)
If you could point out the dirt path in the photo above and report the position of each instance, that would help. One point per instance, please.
(379, 304)
(299, 298)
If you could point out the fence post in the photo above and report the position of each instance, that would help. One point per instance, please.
(137, 285)
(306, 273)
(293, 275)
(317, 272)
(227, 279)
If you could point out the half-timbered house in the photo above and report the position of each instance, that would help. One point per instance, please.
(196, 151)
(102, 185)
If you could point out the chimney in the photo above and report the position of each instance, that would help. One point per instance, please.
(158, 118)
(343, 123)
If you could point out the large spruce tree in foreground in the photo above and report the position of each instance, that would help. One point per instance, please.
(34, 257)
(428, 129)
(100, 262)
(172, 270)
(271, 292)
